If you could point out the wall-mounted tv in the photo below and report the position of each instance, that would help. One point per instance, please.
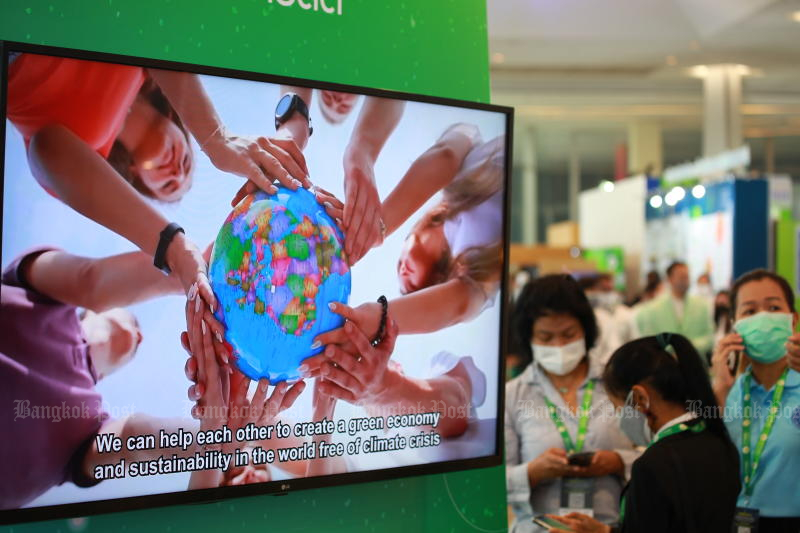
(219, 283)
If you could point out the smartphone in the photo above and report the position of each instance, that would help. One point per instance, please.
(580, 459)
(548, 523)
(733, 362)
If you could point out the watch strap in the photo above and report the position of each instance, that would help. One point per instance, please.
(164, 240)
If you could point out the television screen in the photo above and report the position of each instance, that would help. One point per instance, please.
(218, 283)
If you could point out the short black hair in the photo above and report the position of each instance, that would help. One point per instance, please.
(548, 295)
(675, 264)
(758, 275)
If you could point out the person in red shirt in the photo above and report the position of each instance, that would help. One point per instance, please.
(77, 117)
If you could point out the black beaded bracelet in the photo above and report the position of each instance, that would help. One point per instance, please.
(384, 313)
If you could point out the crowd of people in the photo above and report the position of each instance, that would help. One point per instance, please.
(680, 412)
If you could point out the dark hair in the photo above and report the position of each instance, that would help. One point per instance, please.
(653, 277)
(758, 275)
(121, 159)
(679, 377)
(548, 295)
(675, 264)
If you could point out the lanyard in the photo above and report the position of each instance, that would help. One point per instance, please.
(664, 433)
(583, 421)
(751, 467)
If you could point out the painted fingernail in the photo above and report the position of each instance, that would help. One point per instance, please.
(297, 183)
(205, 328)
(218, 336)
(316, 345)
(263, 384)
(225, 358)
(327, 205)
(192, 291)
(332, 306)
(197, 305)
(303, 369)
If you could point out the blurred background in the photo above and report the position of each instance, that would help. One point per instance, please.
(652, 131)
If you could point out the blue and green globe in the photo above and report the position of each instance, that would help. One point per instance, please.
(277, 262)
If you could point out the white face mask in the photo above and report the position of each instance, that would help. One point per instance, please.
(560, 360)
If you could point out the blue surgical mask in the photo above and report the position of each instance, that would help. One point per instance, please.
(633, 423)
(765, 335)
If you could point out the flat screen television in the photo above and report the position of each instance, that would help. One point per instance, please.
(335, 255)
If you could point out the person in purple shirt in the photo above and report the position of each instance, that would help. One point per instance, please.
(62, 329)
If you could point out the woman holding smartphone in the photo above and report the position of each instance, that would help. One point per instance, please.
(764, 342)
(564, 449)
(686, 480)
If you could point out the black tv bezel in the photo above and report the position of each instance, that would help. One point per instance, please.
(69, 510)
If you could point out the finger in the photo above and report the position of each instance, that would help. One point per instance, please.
(335, 391)
(273, 405)
(334, 336)
(239, 386)
(286, 160)
(292, 394)
(359, 340)
(291, 148)
(205, 292)
(195, 392)
(324, 196)
(342, 378)
(343, 310)
(258, 401)
(349, 362)
(272, 167)
(311, 365)
(333, 212)
(367, 233)
(218, 331)
(185, 342)
(356, 221)
(259, 179)
(190, 369)
(350, 197)
(196, 339)
(248, 188)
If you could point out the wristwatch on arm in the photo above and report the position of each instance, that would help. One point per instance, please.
(288, 105)
(164, 240)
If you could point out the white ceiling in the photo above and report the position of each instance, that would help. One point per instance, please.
(592, 66)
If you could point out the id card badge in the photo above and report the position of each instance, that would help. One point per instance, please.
(745, 520)
(577, 495)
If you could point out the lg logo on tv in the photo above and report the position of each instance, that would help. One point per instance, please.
(327, 6)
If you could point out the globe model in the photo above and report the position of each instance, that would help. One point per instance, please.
(277, 263)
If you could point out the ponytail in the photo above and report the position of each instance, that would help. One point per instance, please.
(671, 365)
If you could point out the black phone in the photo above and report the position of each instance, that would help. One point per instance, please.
(580, 459)
(548, 523)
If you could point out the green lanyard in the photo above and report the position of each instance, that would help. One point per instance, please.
(583, 421)
(751, 467)
(664, 433)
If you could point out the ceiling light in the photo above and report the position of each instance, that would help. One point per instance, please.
(796, 16)
(679, 193)
(498, 57)
(699, 71)
(698, 191)
(607, 186)
(656, 202)
(671, 200)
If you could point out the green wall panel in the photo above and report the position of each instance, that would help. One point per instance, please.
(430, 47)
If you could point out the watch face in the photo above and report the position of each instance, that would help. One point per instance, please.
(283, 106)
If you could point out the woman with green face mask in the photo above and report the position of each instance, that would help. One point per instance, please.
(762, 404)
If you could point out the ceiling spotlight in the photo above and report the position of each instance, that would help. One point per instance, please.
(698, 191)
(656, 202)
(699, 71)
(670, 199)
(607, 186)
(679, 193)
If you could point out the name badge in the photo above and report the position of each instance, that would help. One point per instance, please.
(745, 520)
(577, 495)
